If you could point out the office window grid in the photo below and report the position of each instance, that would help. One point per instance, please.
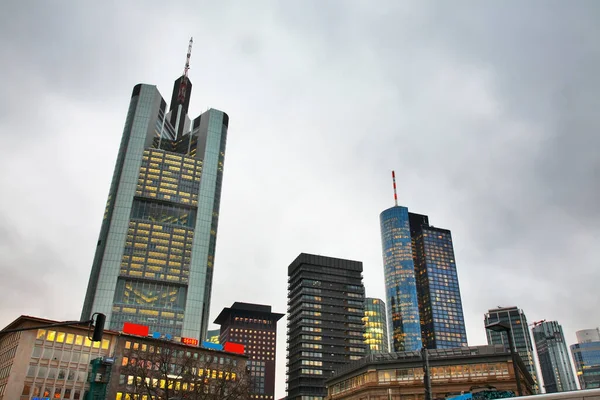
(442, 318)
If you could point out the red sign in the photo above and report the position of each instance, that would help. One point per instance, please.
(234, 347)
(189, 341)
(135, 329)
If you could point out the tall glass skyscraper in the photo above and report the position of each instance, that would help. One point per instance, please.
(400, 283)
(376, 337)
(423, 296)
(586, 355)
(553, 357)
(517, 320)
(155, 254)
(440, 304)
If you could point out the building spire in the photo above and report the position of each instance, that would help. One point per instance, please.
(395, 194)
(183, 86)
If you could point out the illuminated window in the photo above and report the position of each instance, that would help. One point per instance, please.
(51, 336)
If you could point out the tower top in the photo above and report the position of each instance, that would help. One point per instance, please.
(183, 86)
(395, 194)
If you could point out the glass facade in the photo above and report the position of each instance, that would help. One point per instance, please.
(520, 332)
(376, 337)
(440, 305)
(155, 254)
(400, 284)
(553, 357)
(586, 356)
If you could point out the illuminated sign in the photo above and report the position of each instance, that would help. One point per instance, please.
(135, 329)
(212, 346)
(189, 341)
(234, 347)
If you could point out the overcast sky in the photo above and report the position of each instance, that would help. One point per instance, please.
(488, 112)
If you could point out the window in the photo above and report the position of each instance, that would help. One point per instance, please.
(79, 340)
(51, 335)
(41, 334)
(37, 351)
(67, 394)
(60, 337)
(26, 390)
(70, 337)
(76, 394)
(57, 393)
(31, 370)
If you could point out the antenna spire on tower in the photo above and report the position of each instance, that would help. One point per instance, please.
(183, 86)
(395, 194)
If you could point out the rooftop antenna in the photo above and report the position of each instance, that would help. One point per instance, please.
(183, 86)
(395, 194)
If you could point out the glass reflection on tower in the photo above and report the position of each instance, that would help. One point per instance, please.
(400, 284)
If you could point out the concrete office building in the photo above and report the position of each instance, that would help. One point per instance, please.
(49, 362)
(156, 250)
(326, 300)
(254, 326)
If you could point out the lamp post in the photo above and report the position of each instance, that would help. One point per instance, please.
(501, 326)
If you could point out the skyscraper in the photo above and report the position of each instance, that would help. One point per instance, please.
(155, 254)
(325, 329)
(586, 355)
(255, 326)
(440, 304)
(520, 331)
(422, 291)
(400, 283)
(553, 357)
(376, 337)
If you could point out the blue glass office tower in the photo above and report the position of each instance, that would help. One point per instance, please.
(586, 355)
(400, 283)
(155, 254)
(440, 304)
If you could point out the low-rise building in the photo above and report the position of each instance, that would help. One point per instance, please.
(64, 363)
(48, 362)
(396, 376)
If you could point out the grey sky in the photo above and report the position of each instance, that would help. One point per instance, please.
(486, 110)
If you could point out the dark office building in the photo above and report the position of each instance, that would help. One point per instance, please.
(325, 328)
(553, 355)
(155, 254)
(517, 320)
(255, 326)
(440, 304)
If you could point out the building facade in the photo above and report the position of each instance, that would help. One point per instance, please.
(155, 254)
(440, 303)
(399, 376)
(326, 300)
(376, 337)
(146, 367)
(553, 356)
(517, 320)
(255, 326)
(400, 283)
(49, 362)
(586, 356)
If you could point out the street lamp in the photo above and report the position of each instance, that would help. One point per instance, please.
(501, 326)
